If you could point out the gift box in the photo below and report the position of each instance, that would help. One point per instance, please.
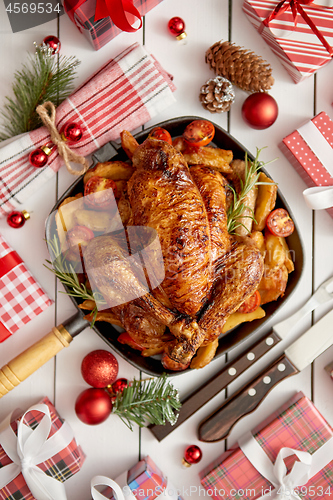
(310, 150)
(296, 439)
(303, 42)
(127, 92)
(100, 31)
(21, 297)
(143, 481)
(43, 454)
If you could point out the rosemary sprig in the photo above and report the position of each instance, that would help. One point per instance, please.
(151, 401)
(67, 275)
(237, 207)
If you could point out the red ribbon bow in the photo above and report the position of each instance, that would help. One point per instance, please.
(122, 12)
(296, 7)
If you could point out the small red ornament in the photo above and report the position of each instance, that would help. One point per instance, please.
(176, 27)
(192, 455)
(119, 385)
(53, 42)
(93, 406)
(99, 368)
(260, 110)
(72, 132)
(38, 157)
(17, 219)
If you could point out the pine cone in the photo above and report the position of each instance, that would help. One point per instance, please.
(242, 67)
(217, 95)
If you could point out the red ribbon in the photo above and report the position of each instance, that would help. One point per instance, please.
(122, 12)
(296, 7)
(7, 263)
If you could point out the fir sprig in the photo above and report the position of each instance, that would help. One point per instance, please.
(237, 207)
(42, 78)
(151, 401)
(66, 273)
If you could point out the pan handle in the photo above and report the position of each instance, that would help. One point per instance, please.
(26, 363)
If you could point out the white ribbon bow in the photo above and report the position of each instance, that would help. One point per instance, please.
(105, 481)
(285, 485)
(31, 447)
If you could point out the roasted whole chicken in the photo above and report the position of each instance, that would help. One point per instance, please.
(208, 272)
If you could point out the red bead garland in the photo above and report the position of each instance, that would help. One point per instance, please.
(53, 42)
(119, 385)
(176, 27)
(17, 219)
(38, 158)
(192, 455)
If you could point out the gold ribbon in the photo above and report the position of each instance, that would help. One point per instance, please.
(47, 113)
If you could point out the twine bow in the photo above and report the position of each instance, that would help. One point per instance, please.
(296, 7)
(47, 113)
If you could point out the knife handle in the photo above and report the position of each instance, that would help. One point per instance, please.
(218, 425)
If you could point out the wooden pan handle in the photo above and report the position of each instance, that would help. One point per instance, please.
(33, 358)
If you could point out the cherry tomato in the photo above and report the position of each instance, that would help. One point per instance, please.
(170, 364)
(161, 134)
(250, 304)
(280, 223)
(79, 235)
(125, 338)
(102, 193)
(199, 133)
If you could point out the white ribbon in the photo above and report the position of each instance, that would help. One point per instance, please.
(105, 481)
(285, 485)
(30, 448)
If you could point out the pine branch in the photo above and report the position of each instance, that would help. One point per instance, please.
(42, 78)
(150, 401)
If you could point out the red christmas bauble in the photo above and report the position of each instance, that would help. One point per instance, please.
(192, 455)
(17, 219)
(93, 406)
(260, 110)
(38, 158)
(119, 385)
(72, 132)
(99, 368)
(53, 42)
(176, 27)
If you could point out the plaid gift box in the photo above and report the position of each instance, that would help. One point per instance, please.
(21, 297)
(298, 47)
(124, 94)
(297, 425)
(64, 463)
(100, 32)
(310, 150)
(143, 481)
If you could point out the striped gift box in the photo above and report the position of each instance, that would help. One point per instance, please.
(297, 425)
(21, 297)
(61, 466)
(298, 48)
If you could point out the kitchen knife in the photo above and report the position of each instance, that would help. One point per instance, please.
(241, 363)
(295, 358)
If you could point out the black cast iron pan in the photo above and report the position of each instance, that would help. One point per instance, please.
(26, 363)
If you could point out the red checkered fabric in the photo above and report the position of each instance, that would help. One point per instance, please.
(61, 466)
(101, 32)
(21, 297)
(299, 426)
(124, 94)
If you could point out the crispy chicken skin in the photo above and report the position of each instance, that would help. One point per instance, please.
(164, 196)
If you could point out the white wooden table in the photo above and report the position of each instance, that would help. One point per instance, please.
(111, 447)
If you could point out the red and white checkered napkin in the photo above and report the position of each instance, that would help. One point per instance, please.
(124, 94)
(21, 297)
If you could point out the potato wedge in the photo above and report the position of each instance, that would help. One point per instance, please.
(115, 170)
(266, 200)
(108, 317)
(128, 143)
(237, 318)
(275, 254)
(288, 260)
(87, 305)
(273, 283)
(216, 158)
(204, 355)
(65, 217)
(98, 221)
(258, 238)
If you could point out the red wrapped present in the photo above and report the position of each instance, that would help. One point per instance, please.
(124, 94)
(299, 33)
(21, 297)
(144, 481)
(101, 20)
(43, 454)
(310, 150)
(296, 439)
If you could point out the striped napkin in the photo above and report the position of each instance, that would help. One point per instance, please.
(124, 94)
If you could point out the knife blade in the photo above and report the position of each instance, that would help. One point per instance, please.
(241, 363)
(295, 358)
